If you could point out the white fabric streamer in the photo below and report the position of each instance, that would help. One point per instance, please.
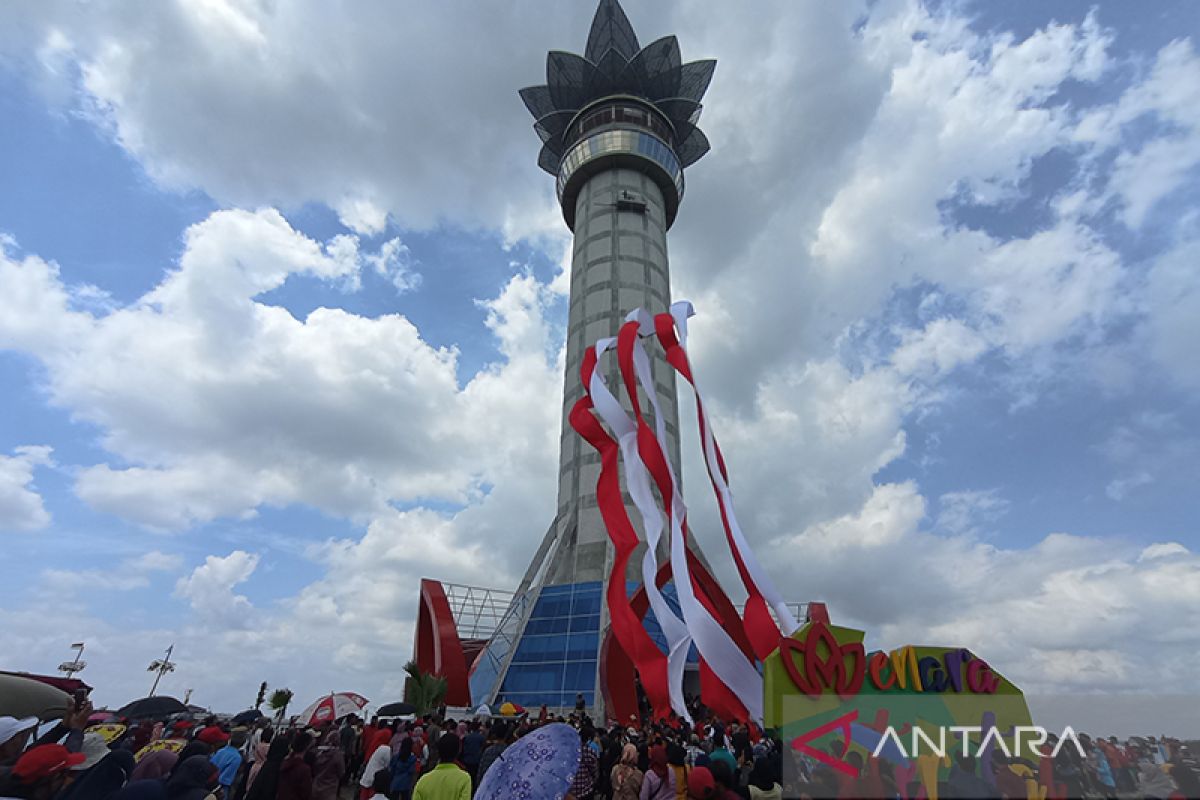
(680, 312)
(637, 479)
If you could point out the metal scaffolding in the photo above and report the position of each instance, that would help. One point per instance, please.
(477, 610)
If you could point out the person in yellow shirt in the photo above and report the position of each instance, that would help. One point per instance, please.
(446, 781)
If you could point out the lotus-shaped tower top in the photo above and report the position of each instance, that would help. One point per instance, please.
(618, 85)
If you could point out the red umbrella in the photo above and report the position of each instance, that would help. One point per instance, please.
(332, 706)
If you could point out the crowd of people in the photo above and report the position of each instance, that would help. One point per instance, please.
(435, 757)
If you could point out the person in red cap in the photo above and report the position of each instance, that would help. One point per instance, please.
(41, 771)
(701, 785)
(212, 736)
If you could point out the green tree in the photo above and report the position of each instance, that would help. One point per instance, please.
(278, 702)
(422, 689)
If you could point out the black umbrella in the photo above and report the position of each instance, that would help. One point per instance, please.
(247, 717)
(160, 706)
(397, 710)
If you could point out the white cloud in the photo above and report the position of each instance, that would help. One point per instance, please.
(1151, 168)
(964, 512)
(1062, 604)
(362, 216)
(394, 262)
(217, 404)
(130, 574)
(1118, 488)
(21, 507)
(209, 588)
(940, 347)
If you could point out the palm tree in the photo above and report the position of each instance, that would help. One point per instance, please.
(423, 690)
(278, 702)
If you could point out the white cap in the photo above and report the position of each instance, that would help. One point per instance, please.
(95, 748)
(11, 726)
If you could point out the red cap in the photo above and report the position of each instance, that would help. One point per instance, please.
(43, 761)
(701, 784)
(213, 735)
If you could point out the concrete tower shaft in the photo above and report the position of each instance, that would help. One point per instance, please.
(619, 263)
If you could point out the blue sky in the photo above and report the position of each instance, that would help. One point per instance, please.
(943, 257)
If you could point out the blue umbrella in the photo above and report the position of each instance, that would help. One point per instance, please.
(539, 766)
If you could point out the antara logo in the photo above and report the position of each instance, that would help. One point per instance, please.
(1037, 736)
(921, 743)
(844, 667)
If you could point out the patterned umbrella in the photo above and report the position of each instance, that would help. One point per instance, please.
(25, 697)
(540, 766)
(109, 731)
(332, 706)
(174, 745)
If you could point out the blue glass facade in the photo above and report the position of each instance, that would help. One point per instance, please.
(556, 657)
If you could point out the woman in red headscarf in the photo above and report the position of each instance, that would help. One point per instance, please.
(659, 783)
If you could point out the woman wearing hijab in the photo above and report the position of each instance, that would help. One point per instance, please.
(103, 780)
(626, 777)
(295, 775)
(380, 756)
(659, 781)
(190, 750)
(328, 767)
(193, 779)
(154, 765)
(404, 771)
(259, 755)
(266, 781)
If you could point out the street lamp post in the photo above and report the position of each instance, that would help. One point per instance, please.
(71, 667)
(162, 666)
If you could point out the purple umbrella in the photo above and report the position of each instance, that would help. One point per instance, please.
(539, 766)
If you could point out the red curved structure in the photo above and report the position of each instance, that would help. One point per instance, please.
(438, 650)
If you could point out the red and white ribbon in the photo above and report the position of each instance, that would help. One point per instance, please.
(728, 647)
(637, 479)
(627, 628)
(764, 634)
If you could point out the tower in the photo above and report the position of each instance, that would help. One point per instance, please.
(618, 127)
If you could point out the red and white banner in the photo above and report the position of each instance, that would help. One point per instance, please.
(730, 681)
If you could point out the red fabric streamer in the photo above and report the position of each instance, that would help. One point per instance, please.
(760, 626)
(650, 662)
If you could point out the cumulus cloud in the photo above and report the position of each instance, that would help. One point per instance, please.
(21, 507)
(209, 588)
(1063, 604)
(218, 403)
